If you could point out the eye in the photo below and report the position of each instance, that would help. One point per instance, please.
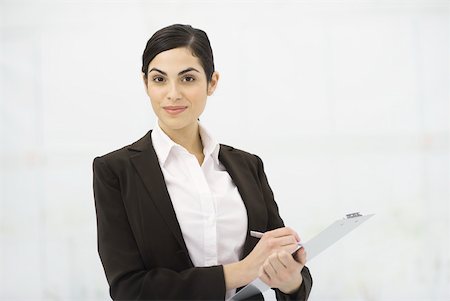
(188, 78)
(158, 79)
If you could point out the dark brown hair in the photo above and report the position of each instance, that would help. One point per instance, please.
(179, 35)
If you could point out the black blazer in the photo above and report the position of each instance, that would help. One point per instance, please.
(139, 239)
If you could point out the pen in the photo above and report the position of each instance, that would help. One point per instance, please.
(257, 234)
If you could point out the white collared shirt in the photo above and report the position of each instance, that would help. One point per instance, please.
(208, 206)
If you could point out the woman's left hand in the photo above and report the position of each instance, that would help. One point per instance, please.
(282, 270)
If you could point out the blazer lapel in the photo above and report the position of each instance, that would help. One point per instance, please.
(247, 184)
(145, 160)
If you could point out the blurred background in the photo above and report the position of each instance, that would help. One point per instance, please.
(346, 101)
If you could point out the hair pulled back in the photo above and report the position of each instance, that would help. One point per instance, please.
(179, 35)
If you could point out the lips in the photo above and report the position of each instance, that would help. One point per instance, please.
(174, 110)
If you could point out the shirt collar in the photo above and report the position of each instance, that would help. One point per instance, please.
(163, 144)
(210, 146)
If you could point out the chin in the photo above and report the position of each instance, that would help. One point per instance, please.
(175, 125)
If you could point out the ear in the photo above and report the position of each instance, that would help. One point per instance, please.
(145, 78)
(212, 85)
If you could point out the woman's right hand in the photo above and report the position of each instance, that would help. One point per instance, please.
(281, 239)
(241, 273)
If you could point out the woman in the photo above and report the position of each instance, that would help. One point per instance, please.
(175, 208)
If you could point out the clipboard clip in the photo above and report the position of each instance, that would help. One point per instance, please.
(352, 215)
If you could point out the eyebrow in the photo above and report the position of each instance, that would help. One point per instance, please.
(179, 73)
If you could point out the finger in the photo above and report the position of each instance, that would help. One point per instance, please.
(269, 268)
(286, 259)
(264, 277)
(289, 248)
(283, 273)
(301, 256)
(276, 264)
(282, 241)
(284, 231)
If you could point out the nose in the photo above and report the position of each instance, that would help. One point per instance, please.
(174, 92)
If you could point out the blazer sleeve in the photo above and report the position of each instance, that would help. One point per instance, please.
(127, 275)
(275, 221)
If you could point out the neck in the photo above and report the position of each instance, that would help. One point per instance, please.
(188, 137)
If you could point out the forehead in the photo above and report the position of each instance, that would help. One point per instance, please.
(175, 59)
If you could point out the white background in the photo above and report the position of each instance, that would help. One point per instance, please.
(347, 103)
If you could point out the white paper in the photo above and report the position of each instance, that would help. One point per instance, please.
(313, 247)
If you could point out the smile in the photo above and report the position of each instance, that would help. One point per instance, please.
(174, 110)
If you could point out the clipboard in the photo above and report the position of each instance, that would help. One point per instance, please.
(313, 247)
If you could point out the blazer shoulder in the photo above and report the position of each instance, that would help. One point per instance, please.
(122, 154)
(241, 154)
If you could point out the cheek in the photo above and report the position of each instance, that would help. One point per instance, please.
(197, 96)
(156, 94)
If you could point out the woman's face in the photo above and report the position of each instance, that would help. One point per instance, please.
(177, 86)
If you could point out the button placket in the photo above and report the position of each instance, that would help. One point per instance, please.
(207, 207)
